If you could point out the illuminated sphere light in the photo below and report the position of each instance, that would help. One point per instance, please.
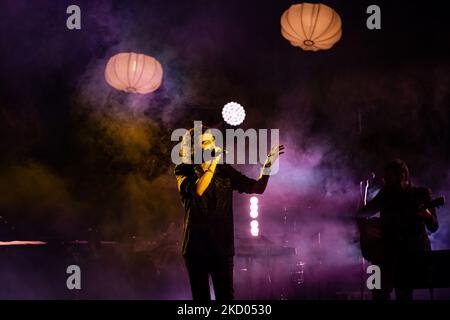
(311, 26)
(253, 212)
(233, 113)
(134, 73)
(254, 232)
(254, 224)
(254, 207)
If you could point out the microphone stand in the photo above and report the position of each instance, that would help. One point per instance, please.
(363, 188)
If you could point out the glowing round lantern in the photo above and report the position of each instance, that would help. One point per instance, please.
(233, 113)
(311, 27)
(133, 72)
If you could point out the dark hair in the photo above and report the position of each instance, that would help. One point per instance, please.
(398, 167)
(191, 135)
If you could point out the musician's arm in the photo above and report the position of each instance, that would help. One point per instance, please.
(205, 180)
(429, 215)
(244, 184)
(432, 221)
(371, 207)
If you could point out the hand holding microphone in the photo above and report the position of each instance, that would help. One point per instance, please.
(217, 152)
(213, 154)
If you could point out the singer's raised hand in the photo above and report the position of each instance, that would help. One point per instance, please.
(273, 155)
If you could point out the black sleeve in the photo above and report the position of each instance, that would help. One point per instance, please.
(186, 180)
(431, 223)
(373, 206)
(240, 182)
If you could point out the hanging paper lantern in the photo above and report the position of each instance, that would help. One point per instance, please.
(311, 26)
(133, 72)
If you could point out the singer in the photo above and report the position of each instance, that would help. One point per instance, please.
(206, 191)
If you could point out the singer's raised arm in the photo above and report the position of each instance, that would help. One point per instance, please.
(205, 179)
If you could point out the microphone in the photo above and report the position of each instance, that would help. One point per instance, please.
(215, 153)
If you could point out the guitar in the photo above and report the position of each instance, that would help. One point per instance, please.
(370, 232)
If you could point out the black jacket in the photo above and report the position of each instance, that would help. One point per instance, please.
(403, 231)
(208, 220)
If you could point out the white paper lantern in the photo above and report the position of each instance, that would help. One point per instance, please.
(133, 72)
(311, 27)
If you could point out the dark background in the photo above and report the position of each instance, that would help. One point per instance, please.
(77, 156)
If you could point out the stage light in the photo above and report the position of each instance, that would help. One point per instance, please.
(254, 200)
(233, 113)
(134, 73)
(254, 211)
(311, 26)
(254, 232)
(254, 207)
(254, 224)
